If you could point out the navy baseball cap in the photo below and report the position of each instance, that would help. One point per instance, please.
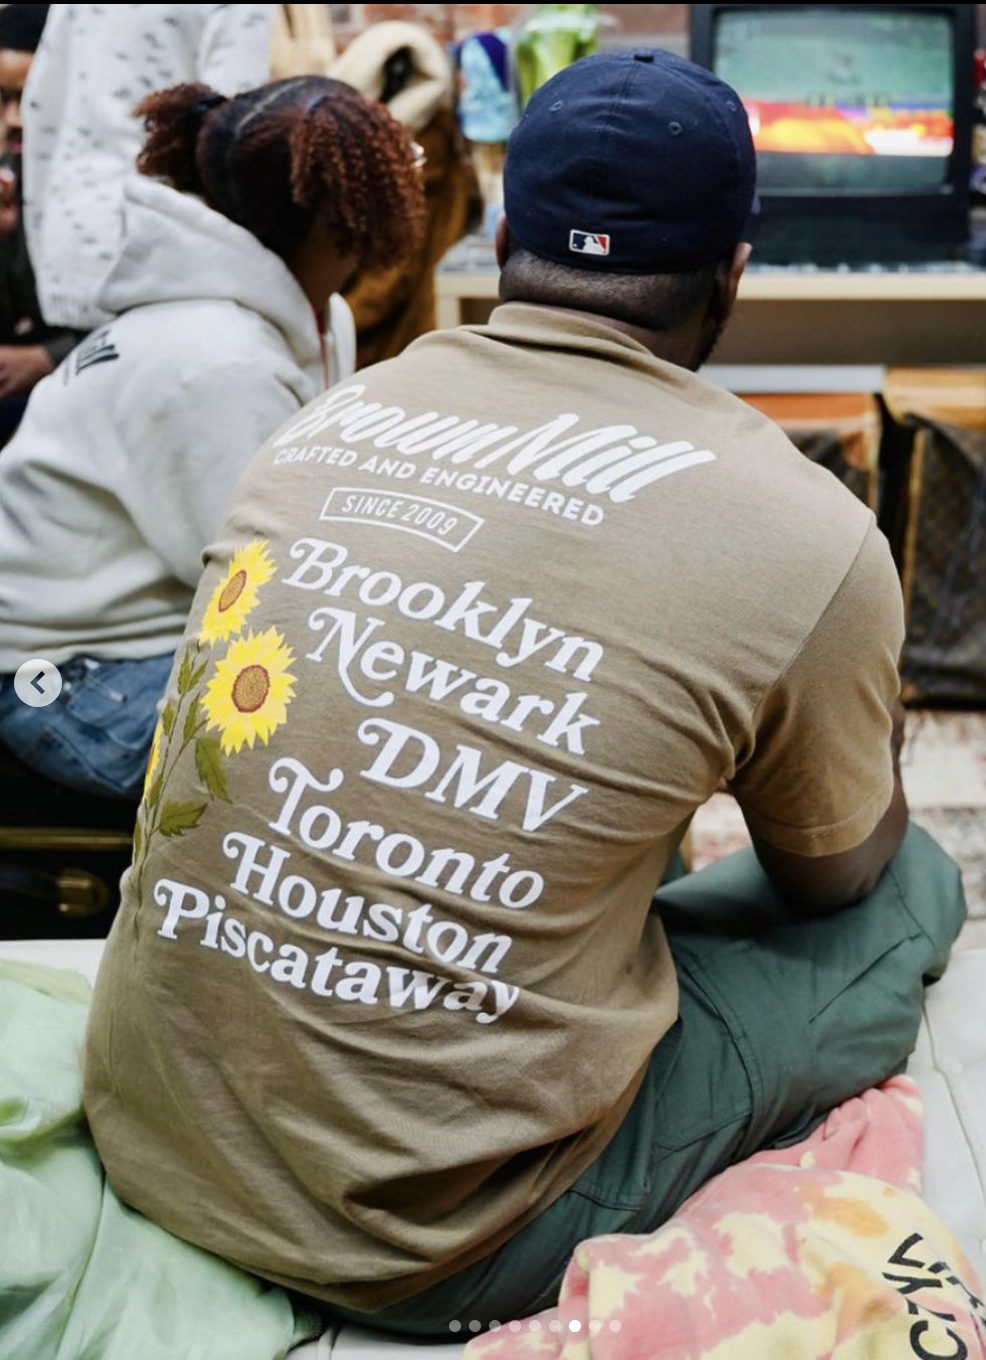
(631, 162)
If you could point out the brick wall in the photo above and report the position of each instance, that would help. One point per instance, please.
(454, 21)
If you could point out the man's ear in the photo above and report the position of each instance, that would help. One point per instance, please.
(727, 282)
(502, 241)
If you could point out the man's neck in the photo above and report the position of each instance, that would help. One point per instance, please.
(674, 347)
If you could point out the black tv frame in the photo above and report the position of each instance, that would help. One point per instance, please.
(827, 227)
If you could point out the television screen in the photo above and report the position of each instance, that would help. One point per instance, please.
(843, 100)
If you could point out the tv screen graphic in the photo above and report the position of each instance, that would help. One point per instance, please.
(843, 100)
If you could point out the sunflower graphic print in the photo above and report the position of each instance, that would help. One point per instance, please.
(237, 593)
(242, 702)
(248, 696)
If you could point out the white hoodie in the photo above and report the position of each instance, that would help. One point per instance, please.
(94, 64)
(120, 472)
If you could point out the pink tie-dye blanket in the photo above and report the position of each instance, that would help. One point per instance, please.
(820, 1250)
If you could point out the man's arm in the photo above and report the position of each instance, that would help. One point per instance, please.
(820, 789)
(823, 884)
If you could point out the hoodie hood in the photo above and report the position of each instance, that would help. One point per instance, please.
(176, 249)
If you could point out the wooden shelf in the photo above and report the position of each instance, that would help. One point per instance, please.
(890, 286)
(812, 286)
(819, 316)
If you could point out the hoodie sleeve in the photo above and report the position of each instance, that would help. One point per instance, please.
(196, 442)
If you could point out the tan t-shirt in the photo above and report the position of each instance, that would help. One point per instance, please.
(484, 627)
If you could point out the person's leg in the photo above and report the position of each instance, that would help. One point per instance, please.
(819, 1008)
(523, 1276)
(781, 1018)
(96, 736)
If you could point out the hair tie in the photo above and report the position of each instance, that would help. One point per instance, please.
(312, 104)
(202, 106)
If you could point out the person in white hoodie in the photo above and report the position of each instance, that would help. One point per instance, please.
(121, 470)
(93, 65)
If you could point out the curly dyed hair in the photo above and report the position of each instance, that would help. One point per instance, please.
(281, 158)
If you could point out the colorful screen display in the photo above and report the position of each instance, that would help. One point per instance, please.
(841, 98)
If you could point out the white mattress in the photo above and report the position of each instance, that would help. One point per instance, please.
(949, 1065)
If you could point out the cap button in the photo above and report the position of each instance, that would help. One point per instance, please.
(642, 54)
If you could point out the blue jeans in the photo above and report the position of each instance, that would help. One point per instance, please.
(96, 736)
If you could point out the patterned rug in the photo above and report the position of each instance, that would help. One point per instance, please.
(944, 770)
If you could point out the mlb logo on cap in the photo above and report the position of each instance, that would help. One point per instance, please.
(588, 242)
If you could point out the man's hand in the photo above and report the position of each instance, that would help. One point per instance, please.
(8, 202)
(21, 367)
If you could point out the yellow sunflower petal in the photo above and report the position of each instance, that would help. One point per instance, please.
(237, 592)
(154, 757)
(248, 696)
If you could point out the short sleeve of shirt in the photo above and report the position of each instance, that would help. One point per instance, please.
(818, 775)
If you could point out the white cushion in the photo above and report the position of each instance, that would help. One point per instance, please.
(949, 1065)
(359, 1343)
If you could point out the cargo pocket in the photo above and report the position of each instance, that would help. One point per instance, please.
(864, 1022)
(619, 1178)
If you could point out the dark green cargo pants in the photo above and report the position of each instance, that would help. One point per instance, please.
(781, 1019)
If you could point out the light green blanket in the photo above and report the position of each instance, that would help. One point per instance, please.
(82, 1277)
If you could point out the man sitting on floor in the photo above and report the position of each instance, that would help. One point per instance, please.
(389, 1014)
